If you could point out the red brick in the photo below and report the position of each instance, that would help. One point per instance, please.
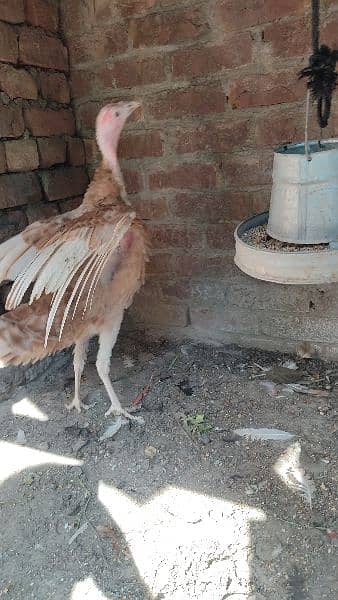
(240, 14)
(328, 33)
(219, 137)
(3, 165)
(98, 45)
(132, 8)
(133, 181)
(162, 315)
(36, 212)
(52, 151)
(280, 127)
(105, 11)
(191, 101)
(75, 152)
(65, 183)
(22, 155)
(184, 176)
(42, 13)
(139, 145)
(189, 265)
(86, 115)
(288, 38)
(261, 200)
(213, 208)
(150, 208)
(244, 171)
(267, 89)
(162, 264)
(176, 289)
(150, 291)
(70, 204)
(42, 50)
(92, 152)
(11, 122)
(17, 83)
(54, 86)
(8, 43)
(82, 83)
(11, 223)
(76, 16)
(167, 28)
(12, 11)
(44, 122)
(134, 72)
(221, 236)
(175, 236)
(137, 8)
(18, 189)
(197, 62)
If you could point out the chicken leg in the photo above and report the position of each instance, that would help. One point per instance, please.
(107, 341)
(80, 355)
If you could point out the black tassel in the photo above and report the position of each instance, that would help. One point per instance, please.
(322, 80)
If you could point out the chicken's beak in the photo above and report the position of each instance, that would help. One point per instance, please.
(132, 106)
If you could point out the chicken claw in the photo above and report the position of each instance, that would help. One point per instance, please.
(77, 404)
(124, 413)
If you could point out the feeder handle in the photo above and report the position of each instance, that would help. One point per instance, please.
(306, 137)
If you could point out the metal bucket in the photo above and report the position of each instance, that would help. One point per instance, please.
(304, 197)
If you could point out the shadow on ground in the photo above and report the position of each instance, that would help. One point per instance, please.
(163, 511)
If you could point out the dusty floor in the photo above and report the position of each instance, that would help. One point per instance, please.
(180, 508)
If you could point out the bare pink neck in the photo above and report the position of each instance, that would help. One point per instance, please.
(110, 158)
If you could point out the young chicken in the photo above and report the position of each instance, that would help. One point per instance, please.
(81, 268)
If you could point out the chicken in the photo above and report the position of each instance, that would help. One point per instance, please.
(81, 270)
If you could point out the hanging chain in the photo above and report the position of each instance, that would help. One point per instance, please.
(315, 20)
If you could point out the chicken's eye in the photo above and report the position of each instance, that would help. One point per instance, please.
(117, 114)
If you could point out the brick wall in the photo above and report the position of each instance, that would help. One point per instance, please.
(218, 82)
(217, 79)
(42, 167)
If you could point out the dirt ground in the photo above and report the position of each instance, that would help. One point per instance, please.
(180, 508)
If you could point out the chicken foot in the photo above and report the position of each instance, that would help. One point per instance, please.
(107, 341)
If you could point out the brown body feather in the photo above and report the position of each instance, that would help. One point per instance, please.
(22, 330)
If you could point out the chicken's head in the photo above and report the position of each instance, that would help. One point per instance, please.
(109, 124)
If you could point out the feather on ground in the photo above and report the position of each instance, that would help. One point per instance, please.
(289, 469)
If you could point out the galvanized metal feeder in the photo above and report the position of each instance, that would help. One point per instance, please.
(304, 198)
(303, 211)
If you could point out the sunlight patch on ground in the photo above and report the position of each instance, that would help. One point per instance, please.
(14, 458)
(86, 590)
(27, 408)
(184, 544)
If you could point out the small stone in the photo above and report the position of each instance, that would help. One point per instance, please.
(150, 451)
(21, 437)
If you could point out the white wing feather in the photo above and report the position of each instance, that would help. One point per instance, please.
(265, 434)
(59, 263)
(27, 276)
(10, 251)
